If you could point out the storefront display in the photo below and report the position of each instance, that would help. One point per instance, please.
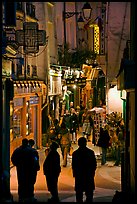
(17, 123)
(28, 119)
(17, 113)
(25, 114)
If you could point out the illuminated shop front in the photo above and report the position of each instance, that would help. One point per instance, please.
(54, 92)
(25, 113)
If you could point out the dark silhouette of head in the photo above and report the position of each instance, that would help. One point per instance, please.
(82, 142)
(54, 146)
(31, 142)
(25, 142)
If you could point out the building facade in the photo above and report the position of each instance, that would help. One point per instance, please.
(25, 69)
(33, 80)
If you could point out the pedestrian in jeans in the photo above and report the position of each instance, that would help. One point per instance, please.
(52, 169)
(83, 167)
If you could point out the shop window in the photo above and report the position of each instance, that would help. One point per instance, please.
(11, 122)
(17, 123)
(28, 119)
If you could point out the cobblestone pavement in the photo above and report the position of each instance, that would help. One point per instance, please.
(107, 180)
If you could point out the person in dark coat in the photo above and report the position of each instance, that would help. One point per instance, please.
(52, 169)
(24, 160)
(66, 119)
(36, 166)
(120, 143)
(91, 126)
(65, 143)
(57, 130)
(83, 167)
(103, 142)
(73, 125)
(57, 127)
(51, 136)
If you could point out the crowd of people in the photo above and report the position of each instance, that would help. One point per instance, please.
(82, 120)
(62, 134)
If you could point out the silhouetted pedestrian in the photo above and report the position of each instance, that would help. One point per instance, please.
(65, 143)
(103, 142)
(36, 165)
(51, 136)
(120, 143)
(83, 166)
(24, 160)
(84, 122)
(57, 129)
(73, 125)
(91, 126)
(66, 119)
(52, 169)
(82, 108)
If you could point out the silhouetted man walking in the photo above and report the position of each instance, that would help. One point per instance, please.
(36, 166)
(83, 166)
(52, 169)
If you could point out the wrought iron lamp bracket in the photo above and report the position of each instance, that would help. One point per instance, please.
(69, 14)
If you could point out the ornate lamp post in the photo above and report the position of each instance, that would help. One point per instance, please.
(86, 12)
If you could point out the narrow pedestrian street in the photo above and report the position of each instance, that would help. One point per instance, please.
(107, 180)
(71, 62)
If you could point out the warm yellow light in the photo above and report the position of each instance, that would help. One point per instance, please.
(11, 110)
(96, 39)
(11, 50)
(123, 94)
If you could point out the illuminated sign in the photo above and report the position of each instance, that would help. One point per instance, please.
(70, 82)
(96, 39)
(78, 81)
(30, 37)
(81, 82)
(34, 100)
